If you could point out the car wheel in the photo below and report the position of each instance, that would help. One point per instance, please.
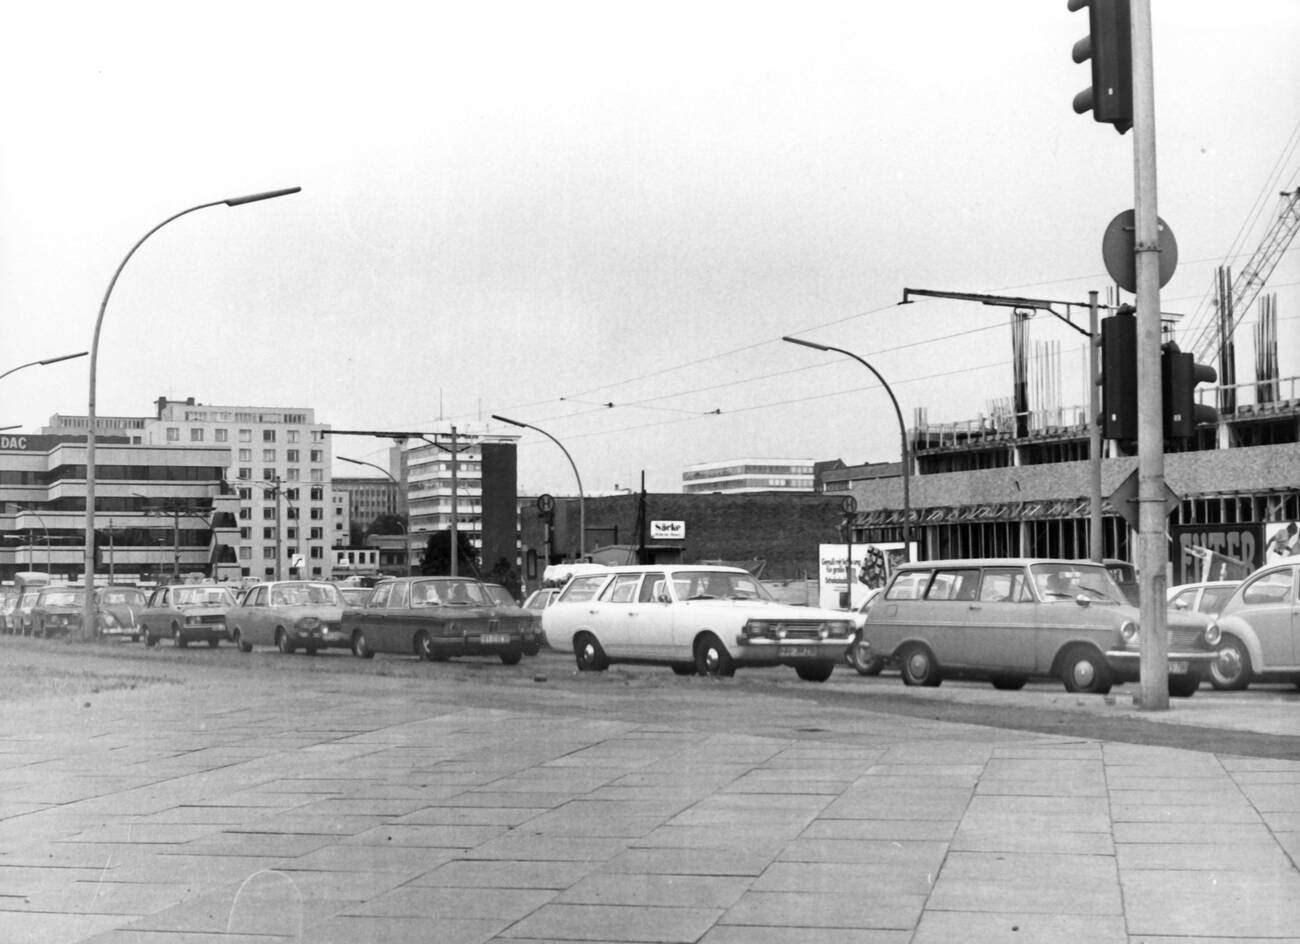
(511, 658)
(1008, 683)
(817, 672)
(424, 646)
(1184, 686)
(588, 653)
(150, 641)
(1085, 672)
(177, 638)
(1230, 672)
(712, 658)
(360, 648)
(283, 643)
(918, 666)
(212, 643)
(240, 643)
(684, 668)
(863, 660)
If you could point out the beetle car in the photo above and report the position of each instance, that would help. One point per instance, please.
(1009, 620)
(125, 604)
(1208, 597)
(290, 615)
(1261, 629)
(186, 613)
(436, 618)
(58, 611)
(697, 619)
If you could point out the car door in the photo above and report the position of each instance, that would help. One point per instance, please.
(1003, 622)
(951, 615)
(1269, 602)
(380, 634)
(616, 613)
(650, 619)
(257, 616)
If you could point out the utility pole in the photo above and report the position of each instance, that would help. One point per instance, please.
(1154, 665)
(1096, 547)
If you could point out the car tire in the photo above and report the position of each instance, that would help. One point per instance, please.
(213, 643)
(863, 660)
(150, 641)
(511, 658)
(1008, 683)
(1084, 671)
(919, 666)
(177, 638)
(1231, 671)
(588, 654)
(712, 658)
(816, 672)
(1184, 686)
(284, 643)
(240, 643)
(424, 646)
(360, 648)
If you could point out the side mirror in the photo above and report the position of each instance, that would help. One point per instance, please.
(1083, 600)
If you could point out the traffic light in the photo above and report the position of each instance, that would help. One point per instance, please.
(1109, 48)
(1119, 375)
(1179, 375)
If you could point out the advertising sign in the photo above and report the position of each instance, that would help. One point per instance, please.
(667, 530)
(871, 566)
(1220, 551)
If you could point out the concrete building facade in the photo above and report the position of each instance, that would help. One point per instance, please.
(738, 476)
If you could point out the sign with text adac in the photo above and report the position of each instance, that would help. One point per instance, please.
(667, 530)
(1124, 501)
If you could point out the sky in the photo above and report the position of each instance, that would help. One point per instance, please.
(601, 219)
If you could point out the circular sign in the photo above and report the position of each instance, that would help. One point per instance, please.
(1118, 250)
(849, 504)
(545, 502)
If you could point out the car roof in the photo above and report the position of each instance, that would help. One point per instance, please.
(996, 562)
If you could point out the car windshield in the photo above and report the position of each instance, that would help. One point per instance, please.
(203, 596)
(717, 585)
(121, 597)
(354, 594)
(500, 596)
(449, 592)
(307, 594)
(1065, 582)
(61, 598)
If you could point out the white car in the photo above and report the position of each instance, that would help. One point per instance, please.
(696, 619)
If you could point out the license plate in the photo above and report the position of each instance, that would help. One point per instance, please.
(492, 639)
(1178, 668)
(796, 652)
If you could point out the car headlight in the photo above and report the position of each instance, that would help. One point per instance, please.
(309, 622)
(840, 628)
(1128, 632)
(109, 620)
(1213, 634)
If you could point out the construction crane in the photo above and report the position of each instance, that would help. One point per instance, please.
(1250, 280)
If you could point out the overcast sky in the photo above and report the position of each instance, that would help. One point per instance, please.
(601, 218)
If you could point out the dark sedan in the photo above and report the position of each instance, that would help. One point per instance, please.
(436, 618)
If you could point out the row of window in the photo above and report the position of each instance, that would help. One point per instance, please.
(197, 435)
(290, 475)
(268, 553)
(292, 513)
(268, 534)
(316, 493)
(290, 455)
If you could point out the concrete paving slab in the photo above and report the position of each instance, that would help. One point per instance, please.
(671, 891)
(845, 908)
(360, 929)
(736, 934)
(825, 827)
(1019, 927)
(468, 816)
(387, 859)
(1212, 902)
(851, 878)
(442, 902)
(707, 861)
(19, 928)
(1035, 883)
(1261, 856)
(463, 873)
(615, 923)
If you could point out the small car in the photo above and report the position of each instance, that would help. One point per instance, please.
(59, 610)
(354, 595)
(1208, 597)
(1009, 620)
(541, 598)
(697, 618)
(435, 618)
(1261, 630)
(290, 615)
(186, 613)
(125, 604)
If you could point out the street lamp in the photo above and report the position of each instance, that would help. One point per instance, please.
(406, 533)
(582, 508)
(88, 616)
(902, 432)
(48, 360)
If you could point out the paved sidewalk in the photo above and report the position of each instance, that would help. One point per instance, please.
(180, 816)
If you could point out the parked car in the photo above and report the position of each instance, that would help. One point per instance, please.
(59, 611)
(1207, 598)
(20, 620)
(186, 613)
(1260, 624)
(541, 598)
(1009, 620)
(125, 604)
(8, 603)
(436, 618)
(704, 619)
(290, 615)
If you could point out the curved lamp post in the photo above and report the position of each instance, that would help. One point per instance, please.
(88, 616)
(47, 361)
(406, 533)
(582, 507)
(902, 432)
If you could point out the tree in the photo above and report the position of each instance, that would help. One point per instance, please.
(387, 524)
(437, 555)
(504, 573)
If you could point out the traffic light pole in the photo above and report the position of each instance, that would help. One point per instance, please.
(1152, 556)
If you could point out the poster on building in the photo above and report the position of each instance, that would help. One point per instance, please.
(1202, 552)
(1281, 540)
(869, 569)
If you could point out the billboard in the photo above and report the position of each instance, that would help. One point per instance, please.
(866, 566)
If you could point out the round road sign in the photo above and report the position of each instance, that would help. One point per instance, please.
(1117, 250)
(849, 504)
(545, 503)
